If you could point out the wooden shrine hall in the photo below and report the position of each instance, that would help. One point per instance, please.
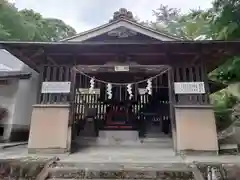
(125, 81)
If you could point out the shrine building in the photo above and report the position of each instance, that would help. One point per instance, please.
(123, 83)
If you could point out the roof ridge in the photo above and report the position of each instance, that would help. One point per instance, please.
(123, 20)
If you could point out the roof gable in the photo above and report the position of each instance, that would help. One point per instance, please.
(129, 26)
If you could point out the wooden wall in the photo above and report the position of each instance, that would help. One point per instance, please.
(55, 73)
(192, 73)
(181, 73)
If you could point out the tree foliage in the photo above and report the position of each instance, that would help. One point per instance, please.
(226, 26)
(165, 14)
(191, 26)
(223, 102)
(220, 22)
(27, 25)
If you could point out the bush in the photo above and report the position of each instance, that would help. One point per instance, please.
(223, 102)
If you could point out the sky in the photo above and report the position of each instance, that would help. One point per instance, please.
(86, 14)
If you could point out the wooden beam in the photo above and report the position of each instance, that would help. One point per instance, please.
(19, 54)
(114, 54)
(51, 60)
(132, 68)
(37, 54)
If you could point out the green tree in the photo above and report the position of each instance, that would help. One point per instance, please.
(12, 25)
(226, 22)
(164, 14)
(47, 29)
(191, 26)
(220, 22)
(58, 30)
(27, 25)
(226, 26)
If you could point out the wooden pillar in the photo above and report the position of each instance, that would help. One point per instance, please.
(171, 105)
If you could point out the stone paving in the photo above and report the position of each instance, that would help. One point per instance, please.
(12, 144)
(93, 159)
(121, 155)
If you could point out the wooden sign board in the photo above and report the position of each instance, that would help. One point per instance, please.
(189, 88)
(142, 91)
(86, 91)
(56, 87)
(121, 68)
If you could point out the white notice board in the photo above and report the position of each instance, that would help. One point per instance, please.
(56, 87)
(121, 68)
(189, 88)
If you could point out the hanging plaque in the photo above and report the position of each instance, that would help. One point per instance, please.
(121, 68)
(56, 87)
(189, 88)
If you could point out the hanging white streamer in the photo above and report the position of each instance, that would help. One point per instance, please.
(129, 90)
(92, 84)
(149, 86)
(124, 84)
(109, 90)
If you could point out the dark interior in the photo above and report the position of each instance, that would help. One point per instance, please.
(143, 112)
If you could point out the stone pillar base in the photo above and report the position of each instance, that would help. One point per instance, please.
(47, 151)
(50, 131)
(197, 152)
(196, 130)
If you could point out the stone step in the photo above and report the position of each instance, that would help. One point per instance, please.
(156, 135)
(144, 143)
(94, 179)
(129, 145)
(122, 154)
(105, 172)
(156, 140)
